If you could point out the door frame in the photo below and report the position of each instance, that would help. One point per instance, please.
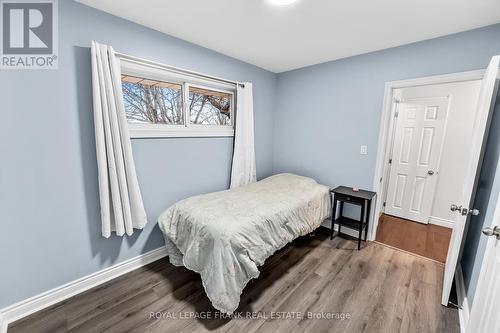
(386, 132)
(478, 307)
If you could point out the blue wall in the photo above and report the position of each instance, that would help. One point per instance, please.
(48, 174)
(325, 112)
(486, 199)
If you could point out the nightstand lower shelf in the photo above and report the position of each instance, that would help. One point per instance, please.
(350, 223)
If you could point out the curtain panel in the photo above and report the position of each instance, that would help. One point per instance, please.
(243, 169)
(122, 208)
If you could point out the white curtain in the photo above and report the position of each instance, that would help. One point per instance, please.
(122, 208)
(243, 167)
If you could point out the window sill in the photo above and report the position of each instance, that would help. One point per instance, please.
(138, 131)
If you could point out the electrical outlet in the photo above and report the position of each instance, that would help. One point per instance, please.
(363, 150)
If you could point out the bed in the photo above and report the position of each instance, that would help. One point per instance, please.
(225, 236)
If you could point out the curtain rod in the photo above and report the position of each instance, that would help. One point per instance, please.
(176, 69)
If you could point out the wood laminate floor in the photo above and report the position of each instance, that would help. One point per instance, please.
(377, 289)
(428, 240)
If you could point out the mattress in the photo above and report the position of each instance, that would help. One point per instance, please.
(225, 236)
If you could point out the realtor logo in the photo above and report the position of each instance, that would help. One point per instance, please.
(29, 34)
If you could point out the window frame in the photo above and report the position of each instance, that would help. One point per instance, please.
(188, 112)
(186, 130)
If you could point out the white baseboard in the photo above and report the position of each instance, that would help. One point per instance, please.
(441, 222)
(58, 294)
(345, 230)
(463, 311)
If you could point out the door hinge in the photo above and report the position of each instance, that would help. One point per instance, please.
(396, 114)
(383, 205)
(454, 304)
(390, 161)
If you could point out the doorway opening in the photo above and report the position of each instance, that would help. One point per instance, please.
(427, 143)
(431, 134)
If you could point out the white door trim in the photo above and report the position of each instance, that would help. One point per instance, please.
(463, 303)
(479, 306)
(387, 129)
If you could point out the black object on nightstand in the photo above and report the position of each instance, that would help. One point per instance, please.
(361, 198)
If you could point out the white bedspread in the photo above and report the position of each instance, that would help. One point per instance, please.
(225, 236)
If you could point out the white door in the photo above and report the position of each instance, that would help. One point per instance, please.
(418, 142)
(485, 103)
(484, 313)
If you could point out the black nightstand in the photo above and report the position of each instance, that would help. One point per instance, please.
(361, 198)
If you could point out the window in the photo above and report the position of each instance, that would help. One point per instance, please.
(151, 101)
(209, 107)
(161, 103)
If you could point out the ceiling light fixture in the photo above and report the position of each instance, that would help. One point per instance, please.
(282, 2)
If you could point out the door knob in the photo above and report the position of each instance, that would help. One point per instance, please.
(430, 172)
(474, 211)
(492, 232)
(464, 211)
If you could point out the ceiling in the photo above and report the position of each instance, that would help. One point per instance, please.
(281, 38)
